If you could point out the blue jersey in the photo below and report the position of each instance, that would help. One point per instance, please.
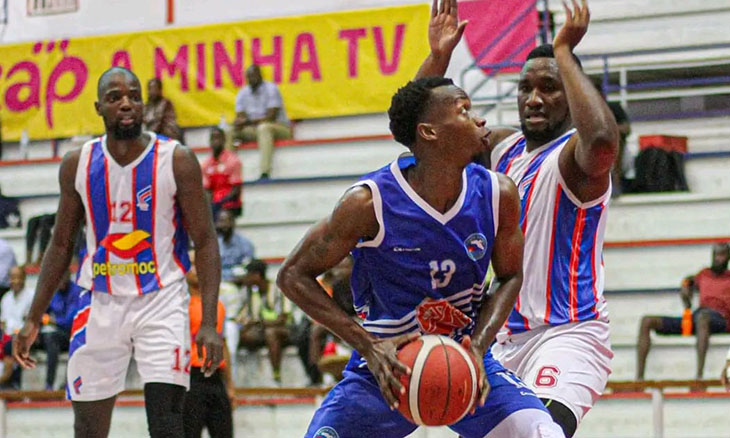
(425, 271)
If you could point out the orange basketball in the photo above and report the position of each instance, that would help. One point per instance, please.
(443, 384)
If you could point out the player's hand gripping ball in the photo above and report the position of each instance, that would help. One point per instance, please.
(443, 385)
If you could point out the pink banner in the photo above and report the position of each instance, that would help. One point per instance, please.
(500, 31)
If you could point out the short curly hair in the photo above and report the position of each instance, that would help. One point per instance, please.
(546, 51)
(409, 104)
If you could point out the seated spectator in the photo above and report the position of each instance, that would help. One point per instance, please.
(264, 319)
(222, 175)
(313, 339)
(712, 316)
(39, 228)
(9, 212)
(7, 261)
(260, 116)
(15, 305)
(159, 113)
(236, 250)
(11, 372)
(56, 329)
(210, 399)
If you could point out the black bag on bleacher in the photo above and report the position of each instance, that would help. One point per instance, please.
(658, 170)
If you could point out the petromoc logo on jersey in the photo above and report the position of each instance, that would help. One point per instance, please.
(440, 317)
(326, 432)
(125, 246)
(476, 246)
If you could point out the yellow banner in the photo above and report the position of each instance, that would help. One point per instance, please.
(326, 65)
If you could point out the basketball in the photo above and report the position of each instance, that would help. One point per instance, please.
(443, 384)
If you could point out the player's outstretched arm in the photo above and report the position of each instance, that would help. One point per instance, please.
(444, 33)
(586, 161)
(58, 256)
(507, 265)
(324, 246)
(199, 224)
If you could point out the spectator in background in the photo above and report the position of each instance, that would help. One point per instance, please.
(39, 228)
(15, 305)
(10, 371)
(313, 337)
(264, 318)
(260, 116)
(712, 316)
(7, 261)
(223, 175)
(9, 212)
(159, 113)
(56, 329)
(210, 399)
(236, 250)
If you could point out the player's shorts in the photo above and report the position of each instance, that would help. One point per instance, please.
(355, 408)
(108, 330)
(568, 363)
(673, 326)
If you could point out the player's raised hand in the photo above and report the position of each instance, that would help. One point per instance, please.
(444, 28)
(384, 364)
(575, 26)
(483, 383)
(22, 342)
(210, 347)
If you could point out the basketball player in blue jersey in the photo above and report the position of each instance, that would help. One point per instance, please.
(556, 339)
(422, 231)
(135, 190)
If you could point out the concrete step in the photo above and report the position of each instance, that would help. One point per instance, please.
(670, 358)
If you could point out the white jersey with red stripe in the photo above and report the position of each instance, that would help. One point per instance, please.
(134, 235)
(563, 259)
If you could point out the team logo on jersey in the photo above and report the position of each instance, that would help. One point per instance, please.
(476, 246)
(144, 198)
(77, 385)
(127, 245)
(440, 317)
(524, 185)
(326, 432)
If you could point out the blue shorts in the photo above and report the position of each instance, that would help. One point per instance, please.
(354, 408)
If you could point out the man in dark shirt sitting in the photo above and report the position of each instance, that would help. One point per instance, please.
(712, 316)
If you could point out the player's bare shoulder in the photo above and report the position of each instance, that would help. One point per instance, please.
(356, 208)
(184, 162)
(68, 167)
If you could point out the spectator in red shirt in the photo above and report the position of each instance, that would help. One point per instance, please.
(712, 316)
(223, 175)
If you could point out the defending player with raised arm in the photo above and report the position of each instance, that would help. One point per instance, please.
(556, 339)
(135, 190)
(422, 231)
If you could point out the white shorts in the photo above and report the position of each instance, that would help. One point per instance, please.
(109, 329)
(567, 363)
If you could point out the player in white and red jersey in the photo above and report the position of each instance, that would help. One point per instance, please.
(556, 338)
(135, 190)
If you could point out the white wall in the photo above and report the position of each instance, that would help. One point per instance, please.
(96, 17)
